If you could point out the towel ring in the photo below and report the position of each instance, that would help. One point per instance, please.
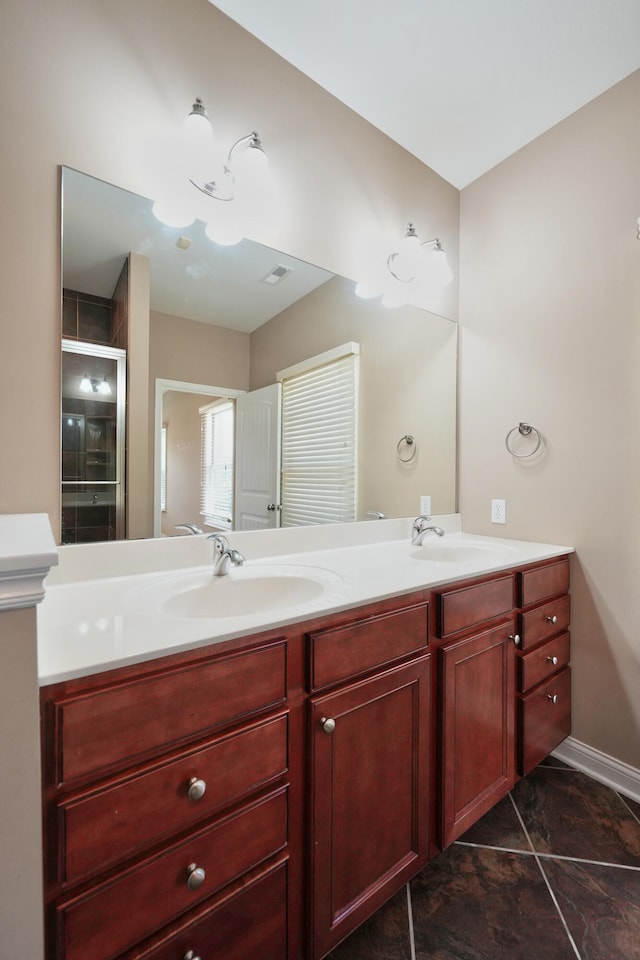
(525, 430)
(411, 444)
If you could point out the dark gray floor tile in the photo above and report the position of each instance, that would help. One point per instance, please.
(554, 762)
(384, 937)
(633, 805)
(568, 814)
(601, 906)
(479, 904)
(500, 827)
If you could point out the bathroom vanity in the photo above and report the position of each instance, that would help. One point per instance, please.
(260, 793)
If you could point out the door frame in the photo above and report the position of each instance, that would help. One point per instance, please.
(162, 386)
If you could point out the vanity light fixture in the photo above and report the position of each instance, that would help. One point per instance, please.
(415, 265)
(242, 178)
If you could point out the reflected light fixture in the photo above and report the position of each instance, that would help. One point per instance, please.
(242, 178)
(416, 265)
(95, 385)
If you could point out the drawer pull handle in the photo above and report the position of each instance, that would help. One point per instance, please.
(196, 791)
(516, 638)
(190, 955)
(328, 724)
(553, 660)
(552, 619)
(195, 876)
(553, 697)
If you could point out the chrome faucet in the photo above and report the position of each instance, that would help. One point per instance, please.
(420, 530)
(223, 555)
(191, 528)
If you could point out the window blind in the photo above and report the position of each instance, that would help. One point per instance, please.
(319, 443)
(217, 454)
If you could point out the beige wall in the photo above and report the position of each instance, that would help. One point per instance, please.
(95, 86)
(180, 415)
(550, 312)
(193, 352)
(20, 806)
(407, 386)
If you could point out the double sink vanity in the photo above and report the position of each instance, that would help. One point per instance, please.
(249, 765)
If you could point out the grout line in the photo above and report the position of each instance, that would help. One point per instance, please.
(546, 880)
(412, 942)
(632, 812)
(548, 856)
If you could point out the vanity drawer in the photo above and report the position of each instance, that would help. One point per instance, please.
(542, 582)
(248, 924)
(545, 720)
(339, 653)
(110, 825)
(544, 621)
(118, 914)
(538, 664)
(102, 729)
(465, 607)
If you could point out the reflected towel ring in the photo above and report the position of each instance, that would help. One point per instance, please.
(411, 444)
(525, 430)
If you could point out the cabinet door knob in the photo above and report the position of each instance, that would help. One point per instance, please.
(271, 506)
(553, 660)
(553, 697)
(190, 955)
(197, 789)
(516, 638)
(328, 724)
(552, 619)
(195, 876)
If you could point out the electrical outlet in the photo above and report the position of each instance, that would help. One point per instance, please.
(425, 506)
(498, 511)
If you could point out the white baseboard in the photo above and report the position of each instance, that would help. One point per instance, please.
(613, 773)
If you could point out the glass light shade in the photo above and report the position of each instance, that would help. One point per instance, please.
(104, 387)
(223, 227)
(404, 261)
(395, 294)
(199, 146)
(85, 384)
(440, 268)
(367, 289)
(176, 208)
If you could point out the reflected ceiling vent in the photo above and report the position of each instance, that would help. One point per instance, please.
(276, 275)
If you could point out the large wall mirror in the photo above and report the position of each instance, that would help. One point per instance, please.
(202, 324)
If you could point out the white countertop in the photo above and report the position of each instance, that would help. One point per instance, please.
(106, 612)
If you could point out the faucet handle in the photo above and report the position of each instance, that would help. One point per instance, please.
(220, 542)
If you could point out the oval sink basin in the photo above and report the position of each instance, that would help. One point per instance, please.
(447, 551)
(246, 591)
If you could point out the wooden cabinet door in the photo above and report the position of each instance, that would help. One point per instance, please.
(477, 684)
(370, 796)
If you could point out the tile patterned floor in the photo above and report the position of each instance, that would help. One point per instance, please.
(551, 873)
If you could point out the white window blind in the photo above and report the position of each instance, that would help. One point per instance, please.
(320, 441)
(217, 454)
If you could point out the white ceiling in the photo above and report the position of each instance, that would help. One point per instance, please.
(206, 282)
(461, 84)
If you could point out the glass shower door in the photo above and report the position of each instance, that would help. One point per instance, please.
(92, 435)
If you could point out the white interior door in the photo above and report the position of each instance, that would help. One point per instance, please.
(257, 493)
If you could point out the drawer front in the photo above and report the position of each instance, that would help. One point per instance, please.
(114, 726)
(543, 582)
(247, 925)
(467, 607)
(544, 621)
(119, 914)
(536, 666)
(107, 826)
(348, 651)
(545, 720)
